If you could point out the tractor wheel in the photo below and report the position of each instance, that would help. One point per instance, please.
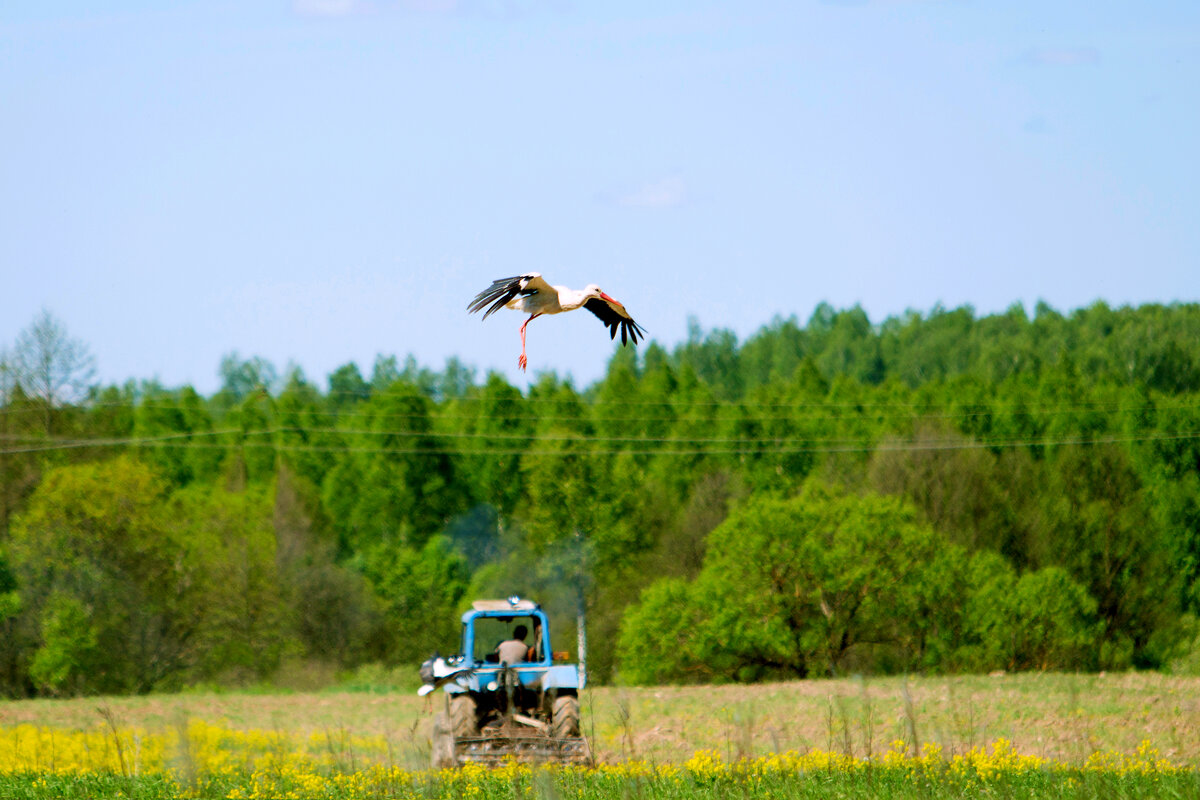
(444, 755)
(462, 716)
(566, 716)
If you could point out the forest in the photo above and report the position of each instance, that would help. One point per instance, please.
(939, 492)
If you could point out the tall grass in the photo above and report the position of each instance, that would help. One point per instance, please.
(1011, 736)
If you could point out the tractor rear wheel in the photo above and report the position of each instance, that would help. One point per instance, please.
(462, 716)
(566, 716)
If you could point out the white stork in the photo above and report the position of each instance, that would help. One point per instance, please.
(531, 295)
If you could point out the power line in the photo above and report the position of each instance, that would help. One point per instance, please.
(114, 442)
(672, 412)
(432, 435)
(761, 447)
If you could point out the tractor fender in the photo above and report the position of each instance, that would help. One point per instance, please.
(561, 677)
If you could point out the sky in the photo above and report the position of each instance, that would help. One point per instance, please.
(322, 181)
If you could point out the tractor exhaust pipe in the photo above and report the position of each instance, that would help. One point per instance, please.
(581, 629)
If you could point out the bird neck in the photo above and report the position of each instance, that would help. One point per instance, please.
(570, 299)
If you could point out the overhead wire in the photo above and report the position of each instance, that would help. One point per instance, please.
(760, 446)
(671, 412)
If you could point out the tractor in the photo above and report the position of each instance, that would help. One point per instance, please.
(524, 707)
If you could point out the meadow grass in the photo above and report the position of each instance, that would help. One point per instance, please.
(1127, 735)
(297, 772)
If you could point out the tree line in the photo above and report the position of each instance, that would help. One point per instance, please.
(937, 492)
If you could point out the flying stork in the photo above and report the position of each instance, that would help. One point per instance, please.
(530, 294)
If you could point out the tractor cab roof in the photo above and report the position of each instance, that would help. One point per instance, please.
(513, 603)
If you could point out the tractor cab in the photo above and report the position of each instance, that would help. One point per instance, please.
(491, 622)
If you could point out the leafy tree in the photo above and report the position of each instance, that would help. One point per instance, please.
(240, 633)
(852, 349)
(252, 456)
(302, 434)
(713, 358)
(966, 491)
(801, 586)
(384, 373)
(166, 420)
(1040, 620)
(658, 642)
(328, 606)
(12, 650)
(111, 414)
(1094, 504)
(347, 388)
(241, 378)
(96, 544)
(70, 650)
(504, 427)
(420, 591)
(20, 469)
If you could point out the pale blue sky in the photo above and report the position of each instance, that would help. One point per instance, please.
(324, 180)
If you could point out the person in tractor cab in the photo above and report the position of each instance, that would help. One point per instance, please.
(535, 650)
(514, 650)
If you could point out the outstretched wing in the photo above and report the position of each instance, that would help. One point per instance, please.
(614, 316)
(502, 291)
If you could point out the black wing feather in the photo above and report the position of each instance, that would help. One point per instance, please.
(497, 295)
(613, 319)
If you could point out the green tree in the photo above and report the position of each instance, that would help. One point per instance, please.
(420, 591)
(1041, 620)
(503, 428)
(347, 388)
(811, 585)
(407, 485)
(20, 433)
(1101, 532)
(330, 608)
(177, 429)
(303, 436)
(70, 648)
(658, 642)
(12, 641)
(97, 537)
(240, 631)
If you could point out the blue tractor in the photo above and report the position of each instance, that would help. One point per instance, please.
(507, 695)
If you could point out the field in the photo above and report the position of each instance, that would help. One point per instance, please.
(1044, 735)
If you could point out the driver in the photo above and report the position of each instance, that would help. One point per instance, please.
(512, 651)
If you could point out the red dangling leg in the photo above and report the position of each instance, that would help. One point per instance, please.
(523, 362)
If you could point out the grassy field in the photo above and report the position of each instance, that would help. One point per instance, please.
(1063, 717)
(1035, 735)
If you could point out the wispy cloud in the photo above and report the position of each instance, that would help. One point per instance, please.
(1062, 56)
(664, 193)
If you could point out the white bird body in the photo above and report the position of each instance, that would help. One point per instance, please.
(530, 294)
